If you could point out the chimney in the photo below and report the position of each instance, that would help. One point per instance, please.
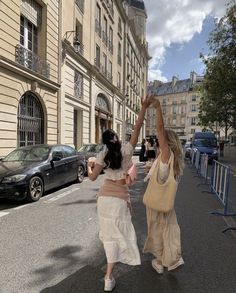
(174, 80)
(193, 76)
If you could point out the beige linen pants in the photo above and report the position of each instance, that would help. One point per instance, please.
(163, 239)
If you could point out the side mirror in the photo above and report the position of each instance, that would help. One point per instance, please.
(57, 156)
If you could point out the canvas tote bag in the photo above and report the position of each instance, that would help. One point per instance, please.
(161, 197)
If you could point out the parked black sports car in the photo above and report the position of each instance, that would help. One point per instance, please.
(29, 171)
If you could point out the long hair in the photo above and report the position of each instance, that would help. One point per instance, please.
(113, 157)
(176, 148)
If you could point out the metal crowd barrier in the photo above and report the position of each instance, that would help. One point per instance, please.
(204, 166)
(220, 182)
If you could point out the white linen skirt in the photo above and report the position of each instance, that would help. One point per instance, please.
(117, 231)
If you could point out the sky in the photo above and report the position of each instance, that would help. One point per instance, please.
(177, 32)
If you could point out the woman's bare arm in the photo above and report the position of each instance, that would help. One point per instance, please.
(145, 104)
(165, 151)
(94, 170)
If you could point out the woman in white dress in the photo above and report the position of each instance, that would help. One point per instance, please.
(114, 208)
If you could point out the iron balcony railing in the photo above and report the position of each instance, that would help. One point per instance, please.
(32, 61)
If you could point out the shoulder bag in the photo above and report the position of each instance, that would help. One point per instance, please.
(161, 197)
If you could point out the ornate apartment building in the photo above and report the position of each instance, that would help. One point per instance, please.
(179, 105)
(104, 68)
(69, 69)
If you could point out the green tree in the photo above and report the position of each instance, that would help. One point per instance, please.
(218, 102)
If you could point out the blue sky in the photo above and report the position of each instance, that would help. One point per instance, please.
(177, 31)
(187, 54)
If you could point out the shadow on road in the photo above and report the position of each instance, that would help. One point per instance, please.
(140, 279)
(81, 201)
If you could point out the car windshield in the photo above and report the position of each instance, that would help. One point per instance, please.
(205, 142)
(34, 154)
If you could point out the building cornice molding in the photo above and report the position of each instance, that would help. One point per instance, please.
(29, 74)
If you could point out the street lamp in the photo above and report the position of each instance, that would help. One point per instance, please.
(76, 42)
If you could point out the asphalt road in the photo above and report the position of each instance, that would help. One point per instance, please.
(52, 246)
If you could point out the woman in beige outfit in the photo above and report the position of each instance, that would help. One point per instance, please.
(163, 239)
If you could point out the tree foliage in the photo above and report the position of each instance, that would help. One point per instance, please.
(218, 91)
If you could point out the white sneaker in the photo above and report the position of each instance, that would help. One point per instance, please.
(180, 262)
(109, 284)
(158, 268)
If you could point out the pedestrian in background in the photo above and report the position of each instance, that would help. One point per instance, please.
(221, 146)
(163, 239)
(150, 148)
(142, 156)
(114, 208)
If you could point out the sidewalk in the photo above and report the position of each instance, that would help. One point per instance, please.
(210, 256)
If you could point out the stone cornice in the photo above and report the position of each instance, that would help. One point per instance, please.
(23, 71)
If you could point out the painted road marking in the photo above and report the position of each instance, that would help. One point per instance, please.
(61, 195)
(22, 206)
(2, 214)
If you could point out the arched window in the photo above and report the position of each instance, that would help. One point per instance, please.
(30, 121)
(102, 103)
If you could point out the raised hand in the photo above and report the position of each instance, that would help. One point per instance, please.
(146, 102)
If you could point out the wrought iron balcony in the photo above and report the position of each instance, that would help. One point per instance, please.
(32, 61)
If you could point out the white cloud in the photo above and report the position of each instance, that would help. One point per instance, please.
(175, 22)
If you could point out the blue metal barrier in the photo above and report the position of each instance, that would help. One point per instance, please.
(220, 182)
(204, 166)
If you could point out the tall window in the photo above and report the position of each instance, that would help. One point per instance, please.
(110, 70)
(98, 20)
(78, 85)
(28, 35)
(119, 26)
(119, 53)
(104, 69)
(193, 120)
(111, 39)
(193, 108)
(97, 55)
(118, 80)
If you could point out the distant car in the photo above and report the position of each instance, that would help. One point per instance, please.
(90, 150)
(137, 149)
(187, 149)
(205, 143)
(28, 172)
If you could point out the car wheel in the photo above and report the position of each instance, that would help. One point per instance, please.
(35, 190)
(80, 174)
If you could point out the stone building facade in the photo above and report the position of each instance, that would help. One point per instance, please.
(29, 84)
(180, 106)
(97, 42)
